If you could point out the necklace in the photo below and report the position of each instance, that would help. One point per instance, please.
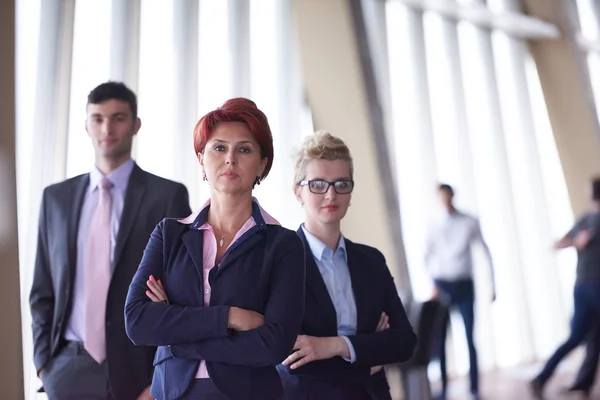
(222, 240)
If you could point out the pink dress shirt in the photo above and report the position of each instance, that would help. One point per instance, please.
(210, 253)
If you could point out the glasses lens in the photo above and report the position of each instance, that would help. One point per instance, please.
(344, 186)
(318, 186)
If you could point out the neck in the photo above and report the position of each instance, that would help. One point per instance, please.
(106, 166)
(229, 212)
(451, 209)
(326, 233)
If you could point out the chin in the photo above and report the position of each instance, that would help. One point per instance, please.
(332, 218)
(232, 188)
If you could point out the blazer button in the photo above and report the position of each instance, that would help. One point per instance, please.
(206, 291)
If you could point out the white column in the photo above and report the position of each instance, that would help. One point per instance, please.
(533, 216)
(412, 136)
(239, 44)
(185, 94)
(53, 91)
(495, 199)
(290, 106)
(125, 42)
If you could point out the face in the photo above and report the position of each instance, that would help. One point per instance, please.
(445, 198)
(232, 159)
(329, 207)
(111, 127)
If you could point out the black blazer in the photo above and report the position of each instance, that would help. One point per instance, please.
(262, 271)
(374, 292)
(148, 199)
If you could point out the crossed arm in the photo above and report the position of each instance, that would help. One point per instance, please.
(209, 333)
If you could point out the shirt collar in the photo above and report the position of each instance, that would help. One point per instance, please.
(198, 219)
(318, 248)
(119, 177)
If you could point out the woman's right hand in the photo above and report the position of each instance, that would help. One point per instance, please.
(156, 291)
(241, 319)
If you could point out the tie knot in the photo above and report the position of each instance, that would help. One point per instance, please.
(105, 184)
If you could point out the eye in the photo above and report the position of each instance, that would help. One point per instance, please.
(97, 120)
(245, 149)
(318, 184)
(219, 147)
(342, 184)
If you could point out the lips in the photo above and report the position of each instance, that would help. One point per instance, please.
(331, 208)
(229, 174)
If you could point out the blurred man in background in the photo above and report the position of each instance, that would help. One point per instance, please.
(586, 298)
(449, 261)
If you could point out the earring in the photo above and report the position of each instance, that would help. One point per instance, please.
(256, 181)
(204, 178)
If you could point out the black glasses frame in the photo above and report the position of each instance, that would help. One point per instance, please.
(329, 184)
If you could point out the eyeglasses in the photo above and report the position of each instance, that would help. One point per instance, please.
(320, 186)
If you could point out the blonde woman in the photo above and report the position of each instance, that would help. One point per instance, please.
(354, 321)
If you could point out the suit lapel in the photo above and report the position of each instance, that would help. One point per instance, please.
(75, 205)
(194, 243)
(316, 285)
(133, 199)
(360, 284)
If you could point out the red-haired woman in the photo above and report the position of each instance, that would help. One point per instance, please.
(221, 293)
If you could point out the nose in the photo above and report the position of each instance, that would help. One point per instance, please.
(106, 127)
(330, 193)
(231, 158)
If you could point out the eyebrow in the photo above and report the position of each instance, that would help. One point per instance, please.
(117, 114)
(240, 142)
(335, 180)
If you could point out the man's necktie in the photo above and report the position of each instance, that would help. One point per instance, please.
(98, 275)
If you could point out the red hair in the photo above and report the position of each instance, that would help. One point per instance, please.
(237, 110)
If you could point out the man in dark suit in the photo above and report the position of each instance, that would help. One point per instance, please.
(93, 229)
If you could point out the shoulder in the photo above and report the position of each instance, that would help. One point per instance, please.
(172, 227)
(159, 181)
(370, 253)
(277, 235)
(64, 188)
(469, 219)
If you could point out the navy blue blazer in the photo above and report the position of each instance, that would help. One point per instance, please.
(263, 271)
(374, 292)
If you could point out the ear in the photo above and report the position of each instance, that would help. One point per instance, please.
(200, 157)
(137, 125)
(298, 193)
(263, 165)
(86, 127)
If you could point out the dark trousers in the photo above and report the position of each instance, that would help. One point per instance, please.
(586, 314)
(74, 375)
(460, 294)
(203, 389)
(587, 372)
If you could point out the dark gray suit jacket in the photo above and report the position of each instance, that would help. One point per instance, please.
(148, 200)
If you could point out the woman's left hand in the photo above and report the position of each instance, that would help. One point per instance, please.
(157, 292)
(311, 348)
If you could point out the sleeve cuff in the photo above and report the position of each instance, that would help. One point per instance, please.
(352, 358)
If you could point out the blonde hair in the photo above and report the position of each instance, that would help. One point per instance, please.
(321, 145)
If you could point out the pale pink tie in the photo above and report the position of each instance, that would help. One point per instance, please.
(98, 275)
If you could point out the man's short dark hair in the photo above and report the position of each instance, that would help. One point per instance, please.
(113, 91)
(444, 187)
